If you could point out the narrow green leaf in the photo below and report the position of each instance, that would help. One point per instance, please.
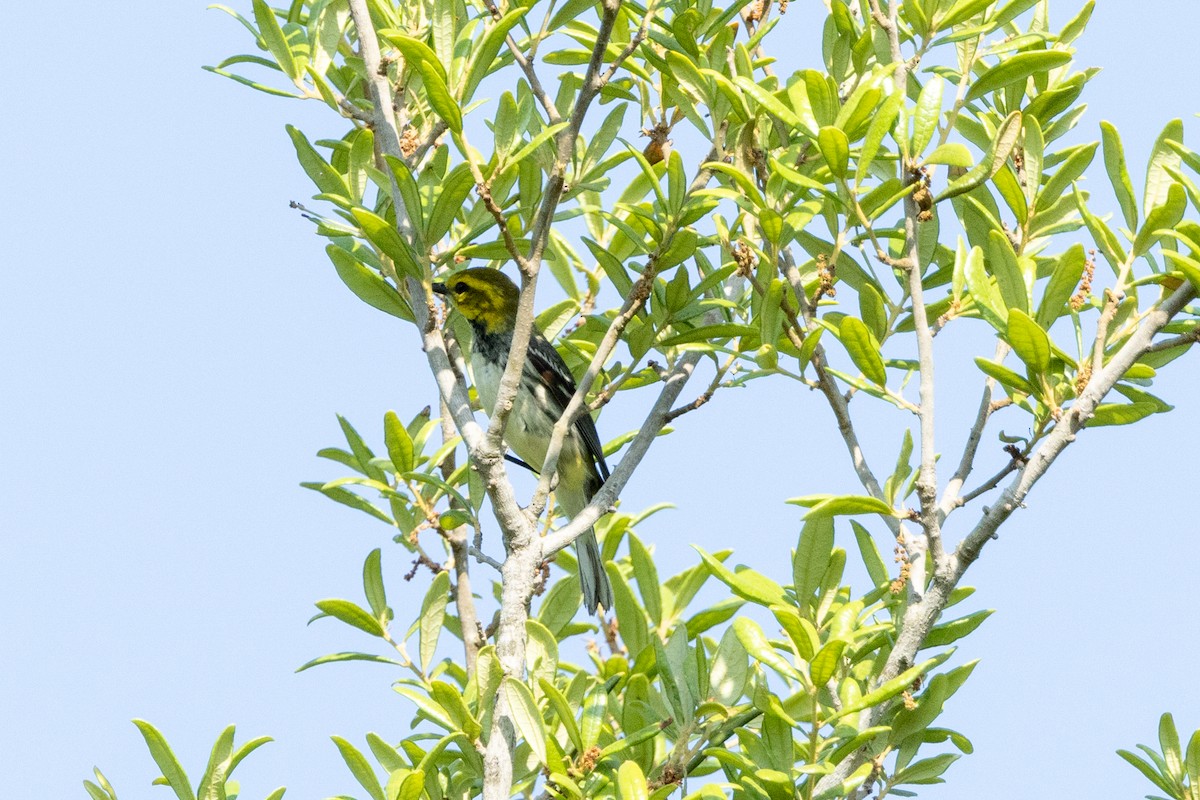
(1120, 413)
(850, 504)
(399, 443)
(880, 125)
(351, 614)
(323, 176)
(871, 557)
(892, 688)
(595, 706)
(170, 767)
(631, 782)
(863, 348)
(1068, 270)
(1163, 158)
(526, 716)
(999, 151)
(754, 586)
(1163, 217)
(952, 154)
(925, 116)
(451, 198)
(646, 575)
(812, 555)
(752, 638)
(483, 54)
(1003, 263)
(1118, 173)
(1029, 341)
(835, 147)
(1016, 68)
(825, 663)
(360, 768)
(433, 617)
(986, 296)
(1005, 376)
(1034, 154)
(277, 43)
(383, 235)
(373, 584)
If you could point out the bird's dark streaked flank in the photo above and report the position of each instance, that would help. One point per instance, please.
(487, 299)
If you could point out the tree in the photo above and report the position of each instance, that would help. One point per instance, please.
(868, 206)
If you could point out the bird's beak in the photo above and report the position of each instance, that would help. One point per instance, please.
(440, 288)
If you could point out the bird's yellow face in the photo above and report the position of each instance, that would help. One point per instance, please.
(485, 296)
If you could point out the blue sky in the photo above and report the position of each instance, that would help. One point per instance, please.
(175, 346)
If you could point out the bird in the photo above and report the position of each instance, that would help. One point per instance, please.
(487, 299)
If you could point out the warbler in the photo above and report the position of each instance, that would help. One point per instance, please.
(487, 298)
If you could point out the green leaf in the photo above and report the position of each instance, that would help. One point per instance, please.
(1068, 270)
(334, 658)
(871, 557)
(170, 767)
(323, 176)
(383, 235)
(891, 688)
(750, 634)
(631, 782)
(999, 151)
(646, 575)
(483, 54)
(1014, 69)
(1148, 771)
(953, 154)
(564, 712)
(439, 96)
(952, 631)
(1163, 158)
(727, 673)
(927, 770)
(825, 663)
(1029, 341)
(455, 188)
(409, 193)
(595, 706)
(754, 586)
(863, 349)
(360, 768)
(277, 43)
(850, 504)
(1190, 267)
(880, 125)
(1163, 217)
(1120, 413)
(835, 147)
(433, 617)
(526, 716)
(399, 443)
(1118, 173)
(1034, 152)
(812, 555)
(987, 298)
(1003, 263)
(373, 585)
(351, 614)
(1005, 376)
(925, 116)
(348, 498)
(874, 315)
(961, 11)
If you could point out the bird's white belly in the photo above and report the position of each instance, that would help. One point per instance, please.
(528, 431)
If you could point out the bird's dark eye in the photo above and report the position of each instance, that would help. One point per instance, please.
(460, 288)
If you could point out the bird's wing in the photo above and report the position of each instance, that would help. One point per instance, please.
(552, 370)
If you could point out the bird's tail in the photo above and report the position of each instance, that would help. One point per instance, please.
(597, 590)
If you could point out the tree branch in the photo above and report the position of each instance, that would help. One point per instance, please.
(921, 615)
(966, 463)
